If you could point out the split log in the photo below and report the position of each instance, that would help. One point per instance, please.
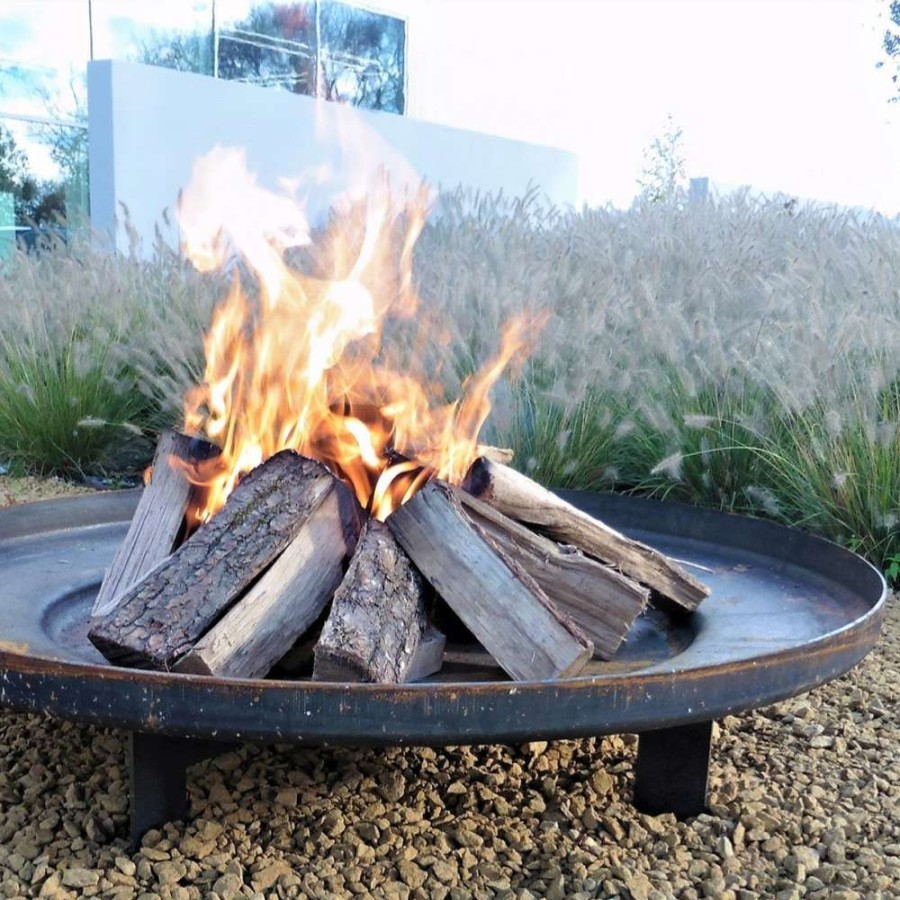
(496, 454)
(158, 521)
(498, 601)
(161, 618)
(428, 658)
(266, 622)
(601, 601)
(522, 499)
(377, 617)
(429, 655)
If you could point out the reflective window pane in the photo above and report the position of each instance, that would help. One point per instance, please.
(7, 226)
(267, 44)
(43, 176)
(361, 54)
(330, 49)
(43, 52)
(363, 57)
(172, 35)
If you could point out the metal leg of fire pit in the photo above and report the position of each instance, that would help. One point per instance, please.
(672, 770)
(158, 768)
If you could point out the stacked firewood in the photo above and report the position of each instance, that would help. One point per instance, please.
(292, 561)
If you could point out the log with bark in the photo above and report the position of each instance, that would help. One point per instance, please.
(522, 499)
(159, 519)
(378, 616)
(161, 618)
(499, 602)
(298, 662)
(279, 608)
(602, 601)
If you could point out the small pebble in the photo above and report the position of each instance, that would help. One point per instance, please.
(803, 804)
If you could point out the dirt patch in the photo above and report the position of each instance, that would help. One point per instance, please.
(27, 489)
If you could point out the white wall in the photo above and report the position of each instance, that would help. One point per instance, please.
(148, 125)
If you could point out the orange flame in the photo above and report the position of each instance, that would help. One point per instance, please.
(301, 364)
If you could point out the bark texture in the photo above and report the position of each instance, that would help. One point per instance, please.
(160, 618)
(270, 617)
(378, 615)
(522, 499)
(499, 602)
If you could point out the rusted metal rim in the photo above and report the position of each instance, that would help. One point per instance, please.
(788, 612)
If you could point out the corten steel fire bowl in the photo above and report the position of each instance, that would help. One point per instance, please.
(787, 612)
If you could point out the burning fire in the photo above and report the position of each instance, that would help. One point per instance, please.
(300, 363)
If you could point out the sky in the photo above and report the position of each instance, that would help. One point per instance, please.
(779, 94)
(782, 95)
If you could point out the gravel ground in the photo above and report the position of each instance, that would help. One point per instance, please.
(805, 802)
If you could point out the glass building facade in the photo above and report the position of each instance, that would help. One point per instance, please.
(338, 51)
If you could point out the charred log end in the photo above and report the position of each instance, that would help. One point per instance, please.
(478, 479)
(335, 665)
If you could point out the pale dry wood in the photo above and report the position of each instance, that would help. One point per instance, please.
(429, 655)
(497, 600)
(266, 622)
(496, 454)
(602, 601)
(378, 615)
(522, 499)
(158, 519)
(162, 616)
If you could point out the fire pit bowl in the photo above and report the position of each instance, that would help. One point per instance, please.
(788, 611)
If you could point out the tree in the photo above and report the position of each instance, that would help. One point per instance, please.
(362, 58)
(42, 202)
(663, 176)
(182, 52)
(35, 202)
(13, 163)
(890, 43)
(273, 47)
(67, 145)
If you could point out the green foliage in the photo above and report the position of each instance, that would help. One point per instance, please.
(663, 176)
(892, 568)
(562, 443)
(734, 354)
(63, 405)
(94, 349)
(840, 478)
(890, 43)
(699, 444)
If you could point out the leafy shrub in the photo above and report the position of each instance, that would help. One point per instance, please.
(94, 348)
(63, 404)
